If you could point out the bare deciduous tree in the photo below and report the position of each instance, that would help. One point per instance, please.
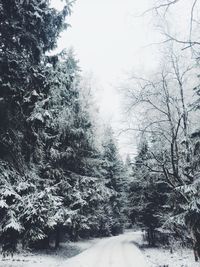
(165, 105)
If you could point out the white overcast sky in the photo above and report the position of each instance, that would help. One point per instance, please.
(109, 40)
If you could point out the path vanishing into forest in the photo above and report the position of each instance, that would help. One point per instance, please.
(118, 251)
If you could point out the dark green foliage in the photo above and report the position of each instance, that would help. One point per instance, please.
(115, 179)
(149, 194)
(28, 30)
(54, 181)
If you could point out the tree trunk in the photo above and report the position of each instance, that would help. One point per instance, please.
(57, 237)
(195, 234)
(151, 236)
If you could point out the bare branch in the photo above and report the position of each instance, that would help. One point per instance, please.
(189, 43)
(191, 19)
(136, 130)
(166, 6)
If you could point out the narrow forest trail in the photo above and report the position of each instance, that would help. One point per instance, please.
(118, 251)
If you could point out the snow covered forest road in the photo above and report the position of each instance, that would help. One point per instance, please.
(118, 251)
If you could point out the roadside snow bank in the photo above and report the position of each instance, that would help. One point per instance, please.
(156, 257)
(48, 258)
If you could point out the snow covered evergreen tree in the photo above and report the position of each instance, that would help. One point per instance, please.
(54, 179)
(149, 193)
(28, 30)
(115, 179)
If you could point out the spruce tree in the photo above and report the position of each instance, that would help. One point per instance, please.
(113, 173)
(149, 194)
(28, 30)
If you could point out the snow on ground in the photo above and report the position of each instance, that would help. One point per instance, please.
(159, 257)
(156, 257)
(49, 258)
(119, 251)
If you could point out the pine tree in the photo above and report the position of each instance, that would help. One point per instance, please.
(28, 30)
(54, 179)
(149, 194)
(113, 173)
